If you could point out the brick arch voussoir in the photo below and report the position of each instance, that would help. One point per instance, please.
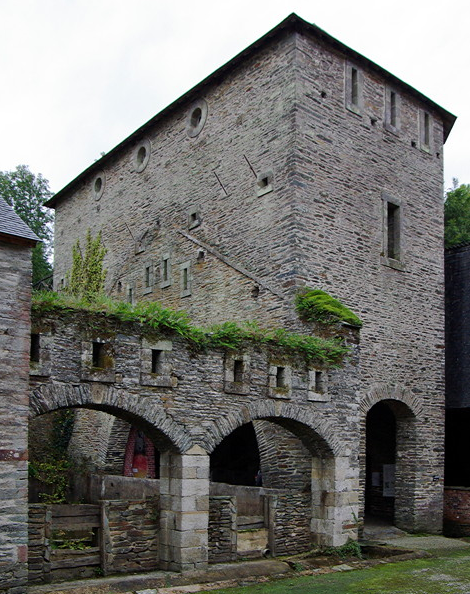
(382, 392)
(53, 397)
(224, 426)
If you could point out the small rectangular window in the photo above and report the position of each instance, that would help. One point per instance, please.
(393, 109)
(393, 231)
(98, 354)
(319, 382)
(157, 360)
(130, 294)
(238, 371)
(165, 271)
(34, 353)
(426, 129)
(148, 277)
(185, 279)
(281, 377)
(354, 87)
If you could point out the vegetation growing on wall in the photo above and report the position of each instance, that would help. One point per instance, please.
(314, 305)
(457, 215)
(51, 467)
(86, 279)
(157, 319)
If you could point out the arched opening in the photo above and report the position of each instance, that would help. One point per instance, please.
(235, 460)
(380, 463)
(289, 506)
(391, 455)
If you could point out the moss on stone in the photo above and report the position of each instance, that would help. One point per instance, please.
(315, 305)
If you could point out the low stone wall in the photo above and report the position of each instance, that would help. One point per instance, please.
(130, 535)
(457, 511)
(222, 529)
(39, 564)
(289, 523)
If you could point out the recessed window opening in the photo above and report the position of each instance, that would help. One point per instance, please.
(393, 231)
(165, 269)
(147, 276)
(255, 292)
(426, 133)
(141, 154)
(98, 185)
(281, 377)
(130, 294)
(185, 279)
(196, 117)
(98, 354)
(393, 109)
(319, 383)
(238, 371)
(119, 286)
(201, 256)
(34, 348)
(354, 87)
(193, 217)
(157, 359)
(263, 182)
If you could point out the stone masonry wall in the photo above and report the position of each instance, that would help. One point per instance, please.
(130, 535)
(289, 523)
(222, 529)
(15, 295)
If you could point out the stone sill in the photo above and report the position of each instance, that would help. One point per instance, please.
(158, 381)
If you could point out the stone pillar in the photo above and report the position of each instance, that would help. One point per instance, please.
(335, 500)
(184, 510)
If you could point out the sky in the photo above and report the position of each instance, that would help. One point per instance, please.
(79, 76)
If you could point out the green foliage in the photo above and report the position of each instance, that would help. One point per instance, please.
(53, 473)
(314, 305)
(457, 215)
(351, 548)
(26, 193)
(86, 279)
(59, 540)
(227, 336)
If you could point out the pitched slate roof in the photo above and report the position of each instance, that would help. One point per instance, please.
(11, 224)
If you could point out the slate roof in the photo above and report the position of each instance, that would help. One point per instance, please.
(12, 225)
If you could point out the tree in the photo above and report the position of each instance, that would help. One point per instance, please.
(86, 279)
(457, 214)
(26, 193)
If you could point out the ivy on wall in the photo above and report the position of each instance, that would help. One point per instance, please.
(315, 305)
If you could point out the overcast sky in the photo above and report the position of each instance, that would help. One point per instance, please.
(78, 76)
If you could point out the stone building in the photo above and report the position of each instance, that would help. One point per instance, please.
(16, 243)
(299, 163)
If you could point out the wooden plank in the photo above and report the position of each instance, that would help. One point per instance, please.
(66, 558)
(84, 523)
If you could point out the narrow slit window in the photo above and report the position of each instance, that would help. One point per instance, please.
(165, 272)
(34, 352)
(354, 87)
(157, 360)
(98, 354)
(281, 377)
(130, 295)
(393, 109)
(185, 279)
(238, 371)
(148, 276)
(426, 133)
(393, 231)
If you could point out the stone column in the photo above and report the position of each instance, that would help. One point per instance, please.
(184, 510)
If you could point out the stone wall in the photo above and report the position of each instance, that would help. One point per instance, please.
(290, 523)
(39, 534)
(15, 295)
(457, 511)
(222, 529)
(130, 535)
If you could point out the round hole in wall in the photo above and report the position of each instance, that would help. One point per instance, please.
(196, 118)
(141, 156)
(98, 185)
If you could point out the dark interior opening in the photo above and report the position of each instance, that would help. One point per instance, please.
(236, 459)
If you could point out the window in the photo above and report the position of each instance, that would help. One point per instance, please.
(98, 185)
(392, 232)
(318, 386)
(353, 88)
(148, 278)
(238, 371)
(196, 118)
(425, 127)
(281, 377)
(157, 360)
(264, 183)
(34, 348)
(98, 355)
(194, 217)
(141, 156)
(280, 381)
(392, 110)
(165, 271)
(185, 285)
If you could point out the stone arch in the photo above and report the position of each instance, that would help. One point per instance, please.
(290, 416)
(408, 412)
(164, 431)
